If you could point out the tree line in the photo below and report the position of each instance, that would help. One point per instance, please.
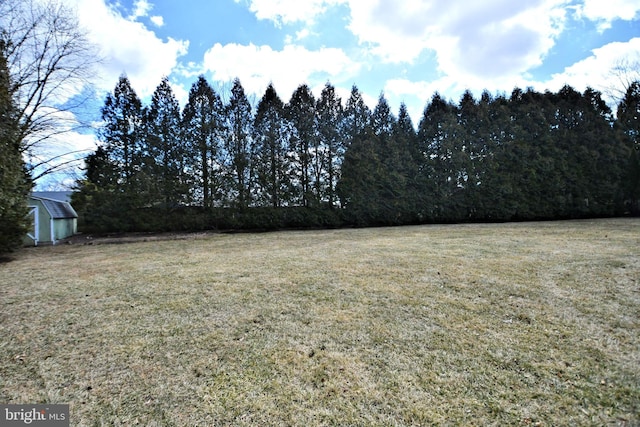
(320, 162)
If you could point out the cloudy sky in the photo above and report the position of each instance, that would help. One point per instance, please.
(407, 49)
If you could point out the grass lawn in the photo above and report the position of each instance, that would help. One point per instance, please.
(500, 324)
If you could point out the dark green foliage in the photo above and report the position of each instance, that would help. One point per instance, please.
(15, 183)
(362, 186)
(123, 136)
(313, 163)
(301, 114)
(404, 160)
(102, 201)
(119, 175)
(273, 181)
(238, 146)
(203, 129)
(166, 148)
(328, 159)
(439, 141)
(629, 124)
(357, 117)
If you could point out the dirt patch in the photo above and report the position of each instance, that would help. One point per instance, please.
(121, 238)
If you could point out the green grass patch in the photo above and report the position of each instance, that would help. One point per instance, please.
(499, 324)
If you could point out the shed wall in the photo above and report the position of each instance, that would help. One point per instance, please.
(62, 227)
(65, 227)
(44, 222)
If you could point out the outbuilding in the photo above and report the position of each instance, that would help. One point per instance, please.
(52, 220)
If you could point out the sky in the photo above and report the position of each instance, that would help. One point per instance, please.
(405, 49)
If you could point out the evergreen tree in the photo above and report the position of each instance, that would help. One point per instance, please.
(603, 161)
(122, 135)
(527, 159)
(118, 177)
(203, 129)
(494, 121)
(582, 132)
(473, 140)
(100, 199)
(382, 120)
(357, 117)
(329, 115)
(101, 171)
(270, 134)
(629, 114)
(566, 128)
(393, 179)
(527, 156)
(629, 125)
(238, 146)
(303, 140)
(166, 147)
(360, 184)
(15, 183)
(437, 134)
(404, 163)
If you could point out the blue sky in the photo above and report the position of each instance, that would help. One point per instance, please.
(407, 49)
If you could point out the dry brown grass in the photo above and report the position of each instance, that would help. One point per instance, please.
(509, 324)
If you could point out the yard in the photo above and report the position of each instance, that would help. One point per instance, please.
(496, 324)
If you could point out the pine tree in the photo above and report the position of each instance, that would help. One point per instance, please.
(472, 141)
(301, 115)
(329, 115)
(393, 180)
(203, 129)
(166, 147)
(484, 138)
(382, 120)
(15, 183)
(100, 199)
(628, 124)
(357, 117)
(605, 155)
(404, 163)
(270, 135)
(437, 134)
(122, 135)
(118, 176)
(238, 146)
(359, 185)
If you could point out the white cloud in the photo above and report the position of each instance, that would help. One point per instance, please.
(417, 94)
(597, 71)
(141, 9)
(289, 11)
(128, 47)
(605, 12)
(489, 38)
(64, 150)
(256, 66)
(304, 33)
(158, 21)
(180, 92)
(423, 89)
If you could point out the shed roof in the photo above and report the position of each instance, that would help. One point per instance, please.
(56, 208)
(63, 196)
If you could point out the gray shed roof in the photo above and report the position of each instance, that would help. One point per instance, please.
(57, 209)
(63, 196)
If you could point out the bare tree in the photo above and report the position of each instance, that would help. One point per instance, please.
(624, 72)
(50, 61)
